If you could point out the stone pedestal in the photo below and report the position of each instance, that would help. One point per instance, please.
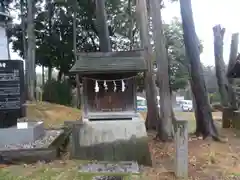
(124, 140)
(24, 132)
(227, 117)
(181, 149)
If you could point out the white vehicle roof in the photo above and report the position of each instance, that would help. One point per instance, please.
(179, 98)
(186, 101)
(140, 98)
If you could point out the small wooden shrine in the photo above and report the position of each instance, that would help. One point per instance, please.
(109, 83)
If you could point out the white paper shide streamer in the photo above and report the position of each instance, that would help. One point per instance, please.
(115, 86)
(123, 86)
(96, 86)
(105, 85)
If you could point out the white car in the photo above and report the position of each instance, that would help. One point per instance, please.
(141, 104)
(186, 105)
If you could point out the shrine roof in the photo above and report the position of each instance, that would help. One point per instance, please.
(6, 16)
(107, 62)
(234, 71)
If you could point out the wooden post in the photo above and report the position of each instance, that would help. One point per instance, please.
(181, 148)
(236, 119)
(227, 117)
(84, 99)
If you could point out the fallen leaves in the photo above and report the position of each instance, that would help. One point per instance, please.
(207, 158)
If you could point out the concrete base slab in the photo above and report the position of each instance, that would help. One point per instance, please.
(24, 132)
(44, 149)
(111, 141)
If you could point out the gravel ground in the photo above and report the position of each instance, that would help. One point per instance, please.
(43, 142)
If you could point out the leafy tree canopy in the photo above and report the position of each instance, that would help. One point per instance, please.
(54, 34)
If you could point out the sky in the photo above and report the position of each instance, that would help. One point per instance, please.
(206, 14)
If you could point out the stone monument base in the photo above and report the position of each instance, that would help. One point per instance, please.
(24, 132)
(124, 140)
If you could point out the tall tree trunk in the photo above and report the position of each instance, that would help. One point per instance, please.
(198, 83)
(50, 15)
(49, 73)
(162, 73)
(152, 119)
(218, 33)
(232, 61)
(8, 42)
(197, 112)
(23, 27)
(43, 76)
(102, 27)
(75, 51)
(31, 50)
(60, 75)
(130, 32)
(78, 86)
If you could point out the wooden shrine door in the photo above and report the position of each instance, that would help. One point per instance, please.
(110, 100)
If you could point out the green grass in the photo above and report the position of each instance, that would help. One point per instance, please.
(58, 170)
(52, 171)
(55, 115)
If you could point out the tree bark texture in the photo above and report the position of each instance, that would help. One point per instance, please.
(31, 50)
(49, 73)
(232, 61)
(198, 83)
(218, 33)
(102, 27)
(43, 76)
(130, 33)
(23, 27)
(162, 73)
(78, 86)
(152, 119)
(75, 5)
(50, 15)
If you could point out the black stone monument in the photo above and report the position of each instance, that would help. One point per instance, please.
(12, 97)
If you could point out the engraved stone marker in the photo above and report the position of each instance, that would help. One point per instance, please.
(181, 148)
(11, 92)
